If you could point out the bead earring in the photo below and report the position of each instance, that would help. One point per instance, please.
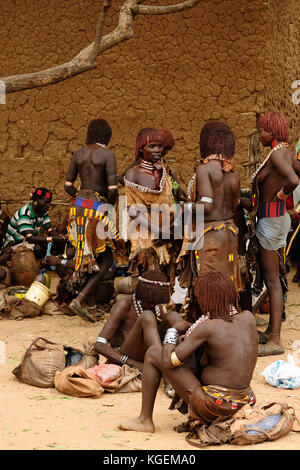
(274, 143)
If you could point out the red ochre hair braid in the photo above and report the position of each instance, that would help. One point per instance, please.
(216, 294)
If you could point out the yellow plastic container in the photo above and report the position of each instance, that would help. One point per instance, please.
(38, 293)
(20, 294)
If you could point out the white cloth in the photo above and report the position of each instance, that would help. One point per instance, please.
(272, 231)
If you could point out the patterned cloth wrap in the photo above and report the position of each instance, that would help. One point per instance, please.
(88, 210)
(217, 401)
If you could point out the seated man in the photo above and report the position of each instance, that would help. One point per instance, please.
(84, 295)
(26, 223)
(136, 322)
(212, 367)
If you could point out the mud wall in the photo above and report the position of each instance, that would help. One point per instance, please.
(214, 61)
(282, 63)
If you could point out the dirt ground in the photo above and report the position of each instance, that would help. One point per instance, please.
(34, 418)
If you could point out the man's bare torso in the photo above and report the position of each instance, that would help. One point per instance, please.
(91, 163)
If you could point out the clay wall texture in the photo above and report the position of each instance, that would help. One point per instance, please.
(225, 60)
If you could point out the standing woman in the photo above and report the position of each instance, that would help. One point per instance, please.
(273, 182)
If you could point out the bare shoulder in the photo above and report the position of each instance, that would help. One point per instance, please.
(109, 153)
(282, 154)
(235, 180)
(124, 302)
(131, 174)
(103, 153)
(78, 153)
(203, 169)
(247, 316)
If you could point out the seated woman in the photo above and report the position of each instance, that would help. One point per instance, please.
(136, 322)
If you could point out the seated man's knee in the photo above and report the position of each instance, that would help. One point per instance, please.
(154, 354)
(147, 318)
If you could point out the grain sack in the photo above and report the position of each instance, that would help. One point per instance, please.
(78, 382)
(40, 362)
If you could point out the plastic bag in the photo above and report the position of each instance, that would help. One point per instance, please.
(107, 373)
(296, 354)
(283, 374)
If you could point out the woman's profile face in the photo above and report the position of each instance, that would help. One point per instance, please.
(152, 152)
(265, 137)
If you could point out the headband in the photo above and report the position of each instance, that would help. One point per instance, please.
(156, 283)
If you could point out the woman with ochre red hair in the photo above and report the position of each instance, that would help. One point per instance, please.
(273, 181)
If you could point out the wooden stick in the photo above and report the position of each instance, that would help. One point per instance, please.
(260, 300)
(292, 239)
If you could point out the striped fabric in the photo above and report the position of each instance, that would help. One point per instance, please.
(82, 211)
(22, 221)
(271, 209)
(86, 203)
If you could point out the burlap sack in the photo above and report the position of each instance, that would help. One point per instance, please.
(89, 357)
(14, 308)
(280, 429)
(78, 382)
(129, 380)
(40, 362)
(51, 308)
(234, 430)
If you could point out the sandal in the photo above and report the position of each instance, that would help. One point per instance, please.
(270, 349)
(79, 310)
(169, 390)
(263, 338)
(184, 427)
(95, 314)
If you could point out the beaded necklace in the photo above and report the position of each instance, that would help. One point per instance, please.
(144, 189)
(190, 186)
(203, 318)
(216, 156)
(138, 307)
(279, 146)
(150, 166)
